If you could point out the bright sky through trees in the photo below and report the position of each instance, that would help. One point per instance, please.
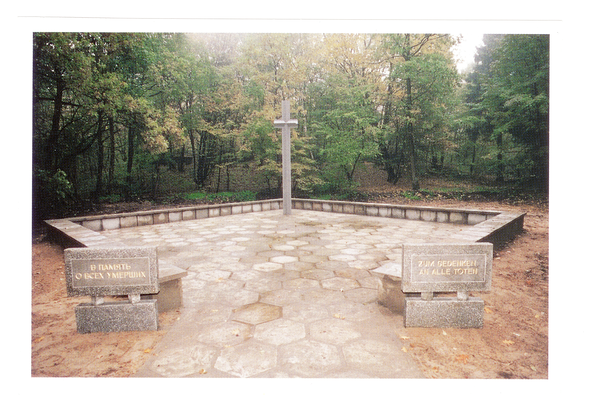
(465, 51)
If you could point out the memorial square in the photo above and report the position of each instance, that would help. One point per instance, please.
(309, 281)
(341, 281)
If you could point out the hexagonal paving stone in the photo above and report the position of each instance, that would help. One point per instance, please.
(229, 333)
(298, 266)
(279, 331)
(257, 313)
(361, 295)
(234, 248)
(305, 312)
(262, 285)
(267, 266)
(283, 259)
(247, 359)
(351, 311)
(309, 358)
(301, 283)
(322, 296)
(318, 274)
(213, 275)
(370, 282)
(333, 331)
(350, 272)
(281, 297)
(363, 264)
(352, 251)
(340, 284)
(383, 359)
(342, 257)
(183, 361)
(313, 258)
(297, 243)
(241, 297)
(210, 314)
(245, 275)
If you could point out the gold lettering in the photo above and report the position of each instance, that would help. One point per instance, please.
(114, 267)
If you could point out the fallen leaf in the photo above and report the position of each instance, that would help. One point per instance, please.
(148, 350)
(37, 340)
(339, 316)
(404, 349)
(533, 368)
(404, 337)
(202, 371)
(444, 333)
(462, 358)
(508, 342)
(487, 310)
(537, 316)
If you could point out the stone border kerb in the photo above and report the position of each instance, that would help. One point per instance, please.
(496, 227)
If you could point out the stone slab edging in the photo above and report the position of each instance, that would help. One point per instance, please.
(496, 227)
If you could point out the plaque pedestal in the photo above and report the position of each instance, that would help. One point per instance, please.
(117, 316)
(440, 312)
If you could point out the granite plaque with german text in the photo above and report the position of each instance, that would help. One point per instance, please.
(111, 271)
(447, 267)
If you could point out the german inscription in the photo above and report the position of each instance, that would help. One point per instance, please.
(447, 267)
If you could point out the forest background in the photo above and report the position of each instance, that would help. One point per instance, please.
(162, 116)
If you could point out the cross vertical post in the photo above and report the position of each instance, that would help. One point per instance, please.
(286, 124)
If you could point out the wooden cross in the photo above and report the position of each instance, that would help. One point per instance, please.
(286, 124)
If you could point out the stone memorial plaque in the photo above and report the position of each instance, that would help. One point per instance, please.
(111, 271)
(447, 267)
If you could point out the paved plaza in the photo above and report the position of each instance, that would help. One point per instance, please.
(273, 295)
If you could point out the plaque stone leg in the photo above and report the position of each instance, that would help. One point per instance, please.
(117, 316)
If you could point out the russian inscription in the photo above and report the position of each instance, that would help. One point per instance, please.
(111, 271)
(89, 272)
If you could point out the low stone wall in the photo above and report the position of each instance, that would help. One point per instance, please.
(496, 227)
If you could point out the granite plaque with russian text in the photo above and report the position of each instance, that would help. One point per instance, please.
(111, 271)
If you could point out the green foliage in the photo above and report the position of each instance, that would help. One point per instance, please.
(149, 115)
(53, 192)
(411, 195)
(241, 196)
(506, 116)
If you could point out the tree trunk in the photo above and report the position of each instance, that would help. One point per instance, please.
(50, 150)
(195, 162)
(130, 154)
(100, 170)
(411, 138)
(500, 170)
(111, 153)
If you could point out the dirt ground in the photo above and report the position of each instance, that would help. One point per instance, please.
(513, 343)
